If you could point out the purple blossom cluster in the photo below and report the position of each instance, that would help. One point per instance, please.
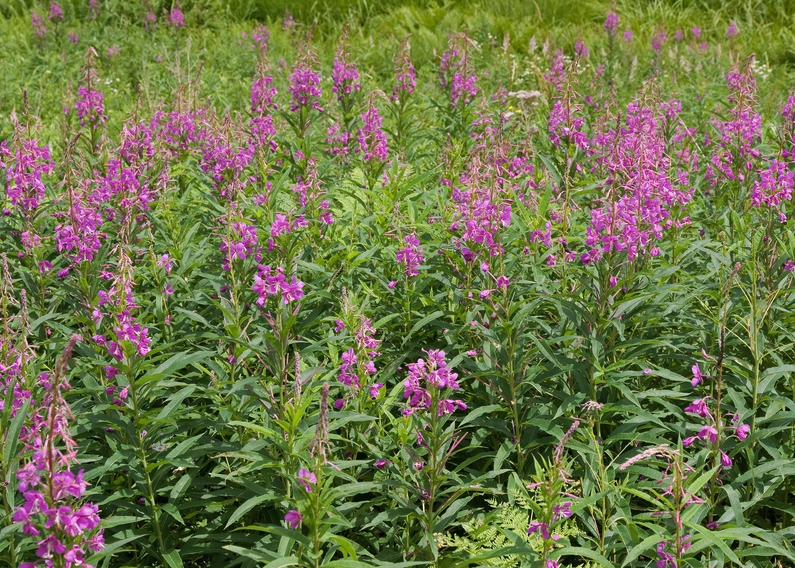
(566, 124)
(337, 140)
(735, 148)
(127, 329)
(410, 255)
(372, 140)
(480, 213)
(260, 36)
(176, 18)
(643, 196)
(90, 107)
(426, 384)
(773, 187)
(263, 94)
(405, 79)
(225, 160)
(611, 23)
(710, 433)
(239, 243)
(53, 511)
(269, 282)
(24, 165)
(359, 361)
(344, 76)
(180, 131)
(37, 22)
(56, 12)
(456, 74)
(305, 86)
(79, 232)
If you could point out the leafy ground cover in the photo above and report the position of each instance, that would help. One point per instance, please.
(410, 284)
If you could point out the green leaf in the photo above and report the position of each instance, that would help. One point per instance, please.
(422, 323)
(12, 435)
(713, 539)
(584, 552)
(246, 507)
(175, 400)
(173, 364)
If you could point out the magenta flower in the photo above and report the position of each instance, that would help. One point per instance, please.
(742, 431)
(305, 87)
(611, 23)
(456, 73)
(239, 243)
(698, 377)
(38, 24)
(561, 511)
(774, 186)
(268, 282)
(56, 12)
(344, 77)
(176, 18)
(348, 376)
(381, 464)
(732, 30)
(725, 460)
(90, 107)
(165, 263)
(260, 36)
(658, 40)
(293, 518)
(410, 255)
(263, 95)
(405, 79)
(540, 528)
(708, 432)
(307, 479)
(371, 138)
(666, 560)
(699, 407)
(433, 374)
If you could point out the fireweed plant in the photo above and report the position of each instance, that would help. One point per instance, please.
(413, 288)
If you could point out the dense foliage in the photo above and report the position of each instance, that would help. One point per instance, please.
(282, 294)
